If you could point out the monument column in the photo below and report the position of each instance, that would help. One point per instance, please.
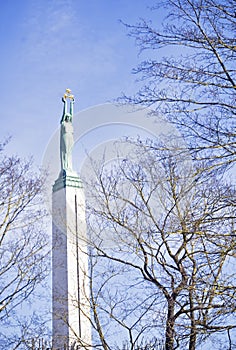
(70, 304)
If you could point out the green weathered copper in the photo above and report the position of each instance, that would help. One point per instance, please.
(67, 176)
(67, 139)
(67, 181)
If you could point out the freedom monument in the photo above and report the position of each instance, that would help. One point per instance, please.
(70, 282)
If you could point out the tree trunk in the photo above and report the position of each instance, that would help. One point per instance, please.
(169, 345)
(193, 336)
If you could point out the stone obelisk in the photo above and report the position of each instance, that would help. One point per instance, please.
(70, 304)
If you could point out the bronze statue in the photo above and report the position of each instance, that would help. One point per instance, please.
(67, 139)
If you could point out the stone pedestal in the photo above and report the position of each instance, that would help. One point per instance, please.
(71, 308)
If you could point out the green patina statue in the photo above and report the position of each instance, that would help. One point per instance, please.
(67, 139)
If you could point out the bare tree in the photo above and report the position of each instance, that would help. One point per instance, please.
(189, 73)
(164, 252)
(23, 244)
(182, 224)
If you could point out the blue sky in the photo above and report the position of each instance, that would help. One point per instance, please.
(49, 45)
